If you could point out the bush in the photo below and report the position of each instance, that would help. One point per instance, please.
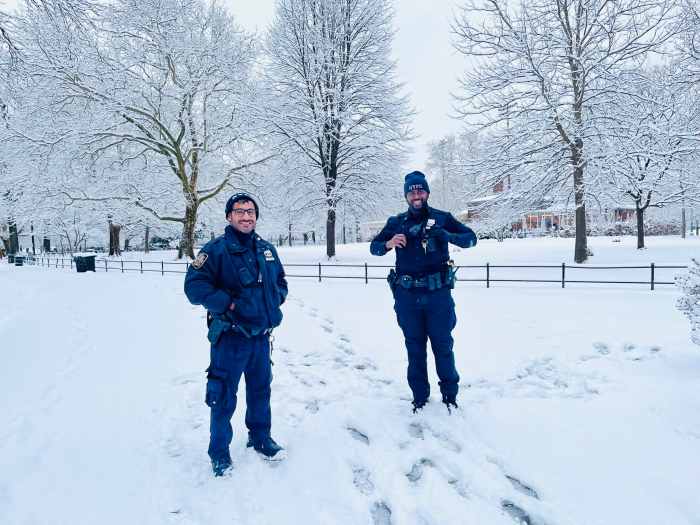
(689, 303)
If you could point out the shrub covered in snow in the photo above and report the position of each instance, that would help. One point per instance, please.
(689, 303)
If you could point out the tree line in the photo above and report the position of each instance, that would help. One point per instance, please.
(152, 112)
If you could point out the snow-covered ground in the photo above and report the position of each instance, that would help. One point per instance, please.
(577, 406)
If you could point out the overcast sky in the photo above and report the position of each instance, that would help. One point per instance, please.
(427, 63)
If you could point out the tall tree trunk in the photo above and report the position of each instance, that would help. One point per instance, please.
(114, 244)
(188, 227)
(640, 227)
(581, 244)
(14, 238)
(683, 223)
(330, 233)
(146, 240)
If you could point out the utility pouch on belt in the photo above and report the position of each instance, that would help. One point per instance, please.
(434, 281)
(218, 326)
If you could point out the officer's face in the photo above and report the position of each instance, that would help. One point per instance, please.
(417, 199)
(242, 217)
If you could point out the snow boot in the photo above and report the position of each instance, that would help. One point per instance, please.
(221, 466)
(418, 404)
(267, 448)
(450, 401)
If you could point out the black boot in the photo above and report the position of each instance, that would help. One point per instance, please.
(267, 448)
(418, 404)
(450, 401)
(221, 466)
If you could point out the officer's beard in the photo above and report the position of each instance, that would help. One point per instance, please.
(421, 209)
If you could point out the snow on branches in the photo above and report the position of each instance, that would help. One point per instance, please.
(689, 303)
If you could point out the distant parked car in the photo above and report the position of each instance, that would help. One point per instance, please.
(158, 243)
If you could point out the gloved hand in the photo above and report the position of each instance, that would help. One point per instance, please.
(439, 233)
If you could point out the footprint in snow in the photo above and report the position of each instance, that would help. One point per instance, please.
(415, 430)
(521, 487)
(601, 348)
(416, 472)
(362, 480)
(381, 513)
(358, 435)
(344, 346)
(520, 515)
(312, 406)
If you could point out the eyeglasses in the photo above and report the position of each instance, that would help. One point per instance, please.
(240, 212)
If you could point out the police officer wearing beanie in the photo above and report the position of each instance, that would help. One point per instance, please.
(421, 286)
(239, 279)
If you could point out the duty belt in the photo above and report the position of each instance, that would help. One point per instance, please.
(433, 281)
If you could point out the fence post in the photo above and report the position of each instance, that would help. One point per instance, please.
(563, 274)
(488, 275)
(105, 264)
(141, 265)
(366, 279)
(319, 272)
(652, 276)
(122, 265)
(162, 268)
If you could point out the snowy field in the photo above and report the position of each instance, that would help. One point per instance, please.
(577, 406)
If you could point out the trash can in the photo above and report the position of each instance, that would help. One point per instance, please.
(19, 260)
(84, 263)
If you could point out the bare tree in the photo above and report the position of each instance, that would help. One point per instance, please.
(647, 140)
(334, 102)
(543, 74)
(158, 98)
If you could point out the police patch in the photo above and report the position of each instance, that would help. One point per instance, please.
(200, 260)
(269, 256)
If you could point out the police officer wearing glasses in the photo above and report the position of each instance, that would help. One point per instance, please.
(239, 279)
(421, 286)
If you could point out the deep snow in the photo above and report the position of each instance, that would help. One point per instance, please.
(573, 419)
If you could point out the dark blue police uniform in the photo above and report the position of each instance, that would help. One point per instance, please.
(423, 300)
(245, 270)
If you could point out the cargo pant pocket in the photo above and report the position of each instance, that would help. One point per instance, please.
(216, 386)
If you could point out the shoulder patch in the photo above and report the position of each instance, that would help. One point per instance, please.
(269, 256)
(200, 260)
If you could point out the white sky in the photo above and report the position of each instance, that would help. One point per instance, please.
(427, 63)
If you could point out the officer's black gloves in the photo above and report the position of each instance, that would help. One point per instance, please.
(415, 231)
(439, 233)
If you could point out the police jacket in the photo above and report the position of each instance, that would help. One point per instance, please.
(225, 272)
(426, 249)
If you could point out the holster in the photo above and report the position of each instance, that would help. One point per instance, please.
(391, 279)
(218, 325)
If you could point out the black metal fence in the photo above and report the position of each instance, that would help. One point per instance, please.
(651, 275)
